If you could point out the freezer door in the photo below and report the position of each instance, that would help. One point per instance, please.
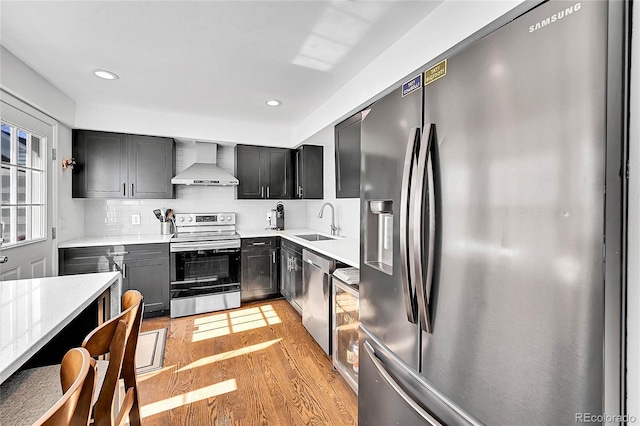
(518, 289)
(392, 394)
(391, 127)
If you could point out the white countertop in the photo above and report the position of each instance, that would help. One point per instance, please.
(346, 250)
(33, 311)
(116, 240)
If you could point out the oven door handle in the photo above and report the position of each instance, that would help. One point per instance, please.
(204, 245)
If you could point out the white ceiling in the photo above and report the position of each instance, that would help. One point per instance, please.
(206, 58)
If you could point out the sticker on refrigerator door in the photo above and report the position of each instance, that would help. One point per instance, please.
(412, 85)
(436, 72)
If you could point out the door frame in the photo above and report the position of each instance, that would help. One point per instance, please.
(52, 146)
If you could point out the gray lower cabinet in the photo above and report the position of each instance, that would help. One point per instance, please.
(291, 273)
(259, 268)
(144, 267)
(117, 165)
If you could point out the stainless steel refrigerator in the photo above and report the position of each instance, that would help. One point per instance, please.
(492, 220)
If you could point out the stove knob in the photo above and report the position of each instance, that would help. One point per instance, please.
(190, 219)
(181, 219)
(229, 218)
(221, 218)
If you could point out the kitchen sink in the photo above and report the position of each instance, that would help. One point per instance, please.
(315, 237)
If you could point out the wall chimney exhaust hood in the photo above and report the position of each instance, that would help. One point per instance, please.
(205, 171)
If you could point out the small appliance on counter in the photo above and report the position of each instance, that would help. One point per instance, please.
(280, 216)
(275, 217)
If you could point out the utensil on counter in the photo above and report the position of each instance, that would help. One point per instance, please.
(158, 214)
(169, 214)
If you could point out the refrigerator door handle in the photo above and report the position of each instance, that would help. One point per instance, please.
(423, 283)
(382, 371)
(408, 178)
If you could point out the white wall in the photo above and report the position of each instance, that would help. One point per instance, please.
(347, 210)
(27, 85)
(127, 120)
(24, 83)
(70, 210)
(448, 24)
(633, 258)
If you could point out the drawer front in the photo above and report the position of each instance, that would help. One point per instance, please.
(118, 252)
(144, 251)
(263, 243)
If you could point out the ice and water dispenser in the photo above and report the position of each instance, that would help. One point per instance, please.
(378, 244)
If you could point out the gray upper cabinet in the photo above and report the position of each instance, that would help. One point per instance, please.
(116, 165)
(150, 167)
(101, 165)
(264, 172)
(347, 140)
(309, 172)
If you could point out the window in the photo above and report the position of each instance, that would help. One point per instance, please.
(24, 210)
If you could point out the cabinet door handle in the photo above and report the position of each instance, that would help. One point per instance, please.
(124, 189)
(132, 190)
(258, 244)
(300, 191)
(267, 192)
(124, 270)
(273, 256)
(262, 192)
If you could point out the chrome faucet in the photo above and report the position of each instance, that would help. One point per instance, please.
(334, 229)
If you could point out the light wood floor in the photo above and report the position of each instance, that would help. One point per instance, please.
(256, 365)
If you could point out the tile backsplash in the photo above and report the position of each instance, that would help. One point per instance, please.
(114, 217)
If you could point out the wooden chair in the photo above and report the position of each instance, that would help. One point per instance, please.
(77, 376)
(117, 338)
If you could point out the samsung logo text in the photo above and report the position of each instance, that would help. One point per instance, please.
(555, 17)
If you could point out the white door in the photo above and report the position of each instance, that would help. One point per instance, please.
(27, 249)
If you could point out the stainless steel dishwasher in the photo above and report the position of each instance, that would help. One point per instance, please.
(316, 302)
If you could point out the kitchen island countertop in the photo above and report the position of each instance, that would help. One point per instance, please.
(35, 310)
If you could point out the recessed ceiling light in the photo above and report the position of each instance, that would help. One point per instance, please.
(273, 102)
(107, 75)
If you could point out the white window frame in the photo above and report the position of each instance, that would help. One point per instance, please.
(13, 204)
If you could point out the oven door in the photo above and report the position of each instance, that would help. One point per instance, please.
(204, 271)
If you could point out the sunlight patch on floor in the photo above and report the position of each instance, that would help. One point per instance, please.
(144, 376)
(235, 321)
(230, 354)
(188, 398)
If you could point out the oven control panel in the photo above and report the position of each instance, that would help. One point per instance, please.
(202, 219)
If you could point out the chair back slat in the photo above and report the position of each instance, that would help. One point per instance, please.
(77, 377)
(118, 338)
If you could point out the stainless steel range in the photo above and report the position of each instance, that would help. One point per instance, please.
(205, 263)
